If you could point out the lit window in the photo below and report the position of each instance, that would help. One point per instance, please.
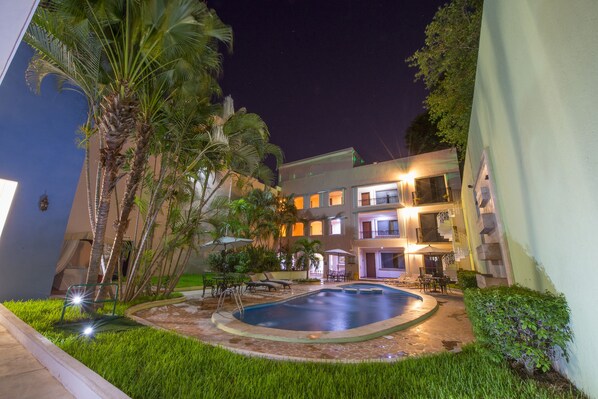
(315, 228)
(7, 192)
(299, 202)
(335, 227)
(392, 260)
(297, 229)
(335, 198)
(283, 231)
(314, 201)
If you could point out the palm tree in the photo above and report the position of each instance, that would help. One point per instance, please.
(305, 251)
(128, 58)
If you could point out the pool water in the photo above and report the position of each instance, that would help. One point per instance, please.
(331, 310)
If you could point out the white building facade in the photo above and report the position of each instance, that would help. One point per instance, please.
(399, 216)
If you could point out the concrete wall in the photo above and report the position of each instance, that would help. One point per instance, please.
(38, 150)
(535, 119)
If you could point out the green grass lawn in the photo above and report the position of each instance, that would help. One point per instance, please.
(186, 281)
(148, 363)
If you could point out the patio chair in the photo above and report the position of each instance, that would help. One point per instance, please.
(208, 281)
(270, 278)
(255, 282)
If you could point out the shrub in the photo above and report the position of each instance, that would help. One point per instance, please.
(259, 259)
(520, 324)
(467, 279)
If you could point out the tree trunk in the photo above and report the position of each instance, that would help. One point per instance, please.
(139, 160)
(116, 121)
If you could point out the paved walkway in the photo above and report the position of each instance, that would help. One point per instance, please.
(22, 376)
(447, 330)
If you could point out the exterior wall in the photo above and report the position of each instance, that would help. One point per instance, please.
(400, 174)
(14, 19)
(40, 154)
(534, 123)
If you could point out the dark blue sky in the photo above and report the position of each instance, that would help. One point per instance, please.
(324, 75)
(328, 74)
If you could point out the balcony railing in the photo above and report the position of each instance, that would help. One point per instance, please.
(379, 234)
(391, 199)
(433, 198)
(429, 235)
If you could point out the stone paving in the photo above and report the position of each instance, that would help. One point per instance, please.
(447, 330)
(22, 376)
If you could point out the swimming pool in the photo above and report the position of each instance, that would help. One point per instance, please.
(346, 324)
(352, 306)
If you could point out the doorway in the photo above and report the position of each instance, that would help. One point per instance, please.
(366, 229)
(370, 264)
(433, 264)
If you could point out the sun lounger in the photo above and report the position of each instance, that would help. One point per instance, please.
(270, 278)
(255, 282)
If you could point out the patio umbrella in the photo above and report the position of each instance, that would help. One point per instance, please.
(430, 250)
(338, 252)
(226, 242)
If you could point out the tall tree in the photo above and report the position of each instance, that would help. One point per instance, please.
(421, 136)
(128, 58)
(447, 65)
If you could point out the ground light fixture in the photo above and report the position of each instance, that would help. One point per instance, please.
(88, 331)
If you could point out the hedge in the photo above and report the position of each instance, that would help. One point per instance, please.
(467, 279)
(525, 326)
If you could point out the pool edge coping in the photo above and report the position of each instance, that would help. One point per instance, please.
(226, 322)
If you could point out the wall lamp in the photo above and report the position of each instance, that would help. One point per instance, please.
(43, 202)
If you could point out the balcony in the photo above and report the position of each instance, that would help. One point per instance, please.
(389, 199)
(424, 198)
(364, 235)
(429, 235)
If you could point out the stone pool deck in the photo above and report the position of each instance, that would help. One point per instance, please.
(446, 330)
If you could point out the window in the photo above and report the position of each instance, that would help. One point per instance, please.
(428, 231)
(314, 201)
(299, 202)
(392, 260)
(298, 229)
(335, 198)
(430, 190)
(315, 228)
(283, 231)
(335, 226)
(388, 227)
(387, 197)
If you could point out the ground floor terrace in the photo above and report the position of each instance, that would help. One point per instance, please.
(448, 329)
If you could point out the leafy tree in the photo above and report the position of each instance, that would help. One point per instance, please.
(128, 58)
(422, 136)
(197, 154)
(447, 65)
(305, 251)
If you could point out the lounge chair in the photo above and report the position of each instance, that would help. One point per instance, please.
(270, 278)
(255, 282)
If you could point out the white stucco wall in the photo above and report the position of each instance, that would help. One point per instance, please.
(14, 19)
(535, 116)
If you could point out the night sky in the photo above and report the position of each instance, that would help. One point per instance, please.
(324, 75)
(328, 74)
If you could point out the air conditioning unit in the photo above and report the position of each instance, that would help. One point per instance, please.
(486, 223)
(489, 251)
(483, 196)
